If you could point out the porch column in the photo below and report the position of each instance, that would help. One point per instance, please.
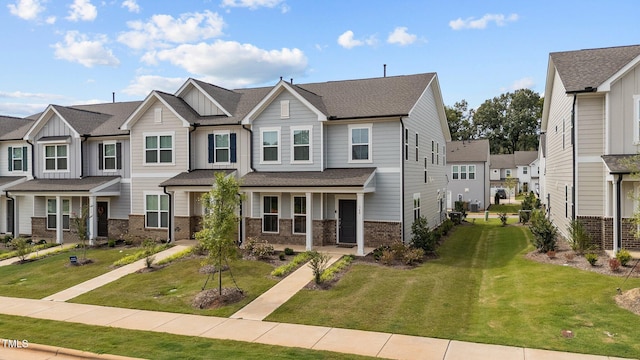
(309, 219)
(93, 220)
(16, 217)
(360, 223)
(617, 215)
(59, 222)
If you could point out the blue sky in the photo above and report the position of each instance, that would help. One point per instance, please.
(80, 51)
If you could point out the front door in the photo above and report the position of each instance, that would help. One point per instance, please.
(347, 221)
(103, 218)
(10, 216)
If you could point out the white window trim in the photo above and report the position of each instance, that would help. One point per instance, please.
(56, 213)
(507, 173)
(294, 214)
(215, 154)
(636, 119)
(455, 172)
(158, 134)
(370, 143)
(469, 172)
(304, 128)
(158, 194)
(262, 213)
(416, 198)
(115, 157)
(13, 158)
(44, 157)
(269, 129)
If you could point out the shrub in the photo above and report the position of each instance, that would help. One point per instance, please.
(398, 249)
(259, 249)
(282, 257)
(387, 257)
(614, 264)
(503, 218)
(180, 254)
(6, 239)
(111, 243)
(623, 257)
(525, 216)
(544, 232)
(421, 236)
(569, 256)
(578, 236)
(446, 226)
(287, 268)
(592, 258)
(318, 265)
(23, 247)
(530, 202)
(412, 256)
(331, 272)
(288, 251)
(377, 252)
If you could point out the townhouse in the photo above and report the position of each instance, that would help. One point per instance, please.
(469, 162)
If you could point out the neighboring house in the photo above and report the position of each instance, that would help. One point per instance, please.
(77, 162)
(591, 118)
(15, 163)
(527, 170)
(542, 159)
(502, 166)
(346, 162)
(468, 165)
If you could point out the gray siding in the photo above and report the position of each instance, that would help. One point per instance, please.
(478, 188)
(92, 159)
(385, 202)
(200, 148)
(56, 127)
(385, 145)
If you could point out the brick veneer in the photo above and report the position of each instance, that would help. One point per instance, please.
(117, 229)
(136, 228)
(601, 231)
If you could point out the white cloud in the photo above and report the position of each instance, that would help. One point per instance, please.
(51, 20)
(232, 64)
(88, 52)
(131, 5)
(346, 40)
(163, 29)
(400, 36)
(142, 85)
(26, 95)
(524, 83)
(26, 9)
(252, 4)
(21, 109)
(471, 23)
(82, 10)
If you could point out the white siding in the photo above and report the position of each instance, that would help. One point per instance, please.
(200, 103)
(621, 113)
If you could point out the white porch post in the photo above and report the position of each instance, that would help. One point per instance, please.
(616, 215)
(360, 223)
(16, 217)
(309, 219)
(93, 220)
(59, 222)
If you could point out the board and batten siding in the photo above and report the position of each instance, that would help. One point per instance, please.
(201, 103)
(559, 158)
(299, 115)
(56, 127)
(92, 159)
(621, 113)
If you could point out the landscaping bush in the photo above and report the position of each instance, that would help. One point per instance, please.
(530, 202)
(614, 264)
(446, 226)
(421, 236)
(318, 265)
(544, 232)
(503, 218)
(623, 257)
(287, 268)
(377, 252)
(579, 238)
(387, 257)
(330, 273)
(259, 249)
(111, 243)
(288, 251)
(23, 247)
(592, 258)
(282, 257)
(413, 256)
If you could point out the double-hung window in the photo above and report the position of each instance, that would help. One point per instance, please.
(360, 143)
(416, 206)
(301, 144)
(455, 172)
(299, 215)
(52, 211)
(471, 172)
(18, 158)
(109, 156)
(270, 213)
(525, 170)
(221, 148)
(56, 157)
(270, 145)
(157, 211)
(158, 148)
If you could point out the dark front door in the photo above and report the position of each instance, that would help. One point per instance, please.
(10, 216)
(103, 218)
(347, 222)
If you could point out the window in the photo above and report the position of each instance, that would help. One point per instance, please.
(433, 152)
(360, 143)
(55, 157)
(299, 215)
(270, 145)
(507, 172)
(270, 214)
(416, 206)
(301, 144)
(525, 170)
(455, 175)
(52, 210)
(109, 156)
(157, 211)
(425, 170)
(222, 147)
(444, 155)
(406, 144)
(471, 172)
(563, 134)
(158, 149)
(18, 158)
(416, 147)
(463, 172)
(437, 153)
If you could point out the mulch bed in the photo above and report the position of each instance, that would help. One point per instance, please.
(211, 299)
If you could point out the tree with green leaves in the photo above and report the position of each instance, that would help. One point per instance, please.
(510, 184)
(460, 119)
(80, 222)
(220, 222)
(510, 121)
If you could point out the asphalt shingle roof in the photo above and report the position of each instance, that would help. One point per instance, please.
(327, 178)
(582, 69)
(524, 158)
(13, 128)
(622, 164)
(63, 185)
(195, 178)
(468, 150)
(503, 161)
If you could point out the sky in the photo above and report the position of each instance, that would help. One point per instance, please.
(70, 52)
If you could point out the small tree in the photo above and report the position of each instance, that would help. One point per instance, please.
(421, 236)
(579, 238)
(318, 264)
(544, 232)
(510, 183)
(23, 248)
(220, 222)
(80, 223)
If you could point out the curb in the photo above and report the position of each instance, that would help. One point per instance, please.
(56, 351)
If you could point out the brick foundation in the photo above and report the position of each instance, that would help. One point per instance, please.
(377, 233)
(182, 227)
(601, 231)
(39, 230)
(137, 229)
(117, 228)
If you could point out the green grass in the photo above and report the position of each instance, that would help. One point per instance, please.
(49, 275)
(505, 208)
(481, 289)
(174, 287)
(149, 345)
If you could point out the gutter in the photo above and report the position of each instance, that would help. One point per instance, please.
(402, 157)
(195, 126)
(170, 217)
(250, 148)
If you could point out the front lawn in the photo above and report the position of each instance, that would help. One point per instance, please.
(49, 275)
(174, 287)
(481, 289)
(505, 208)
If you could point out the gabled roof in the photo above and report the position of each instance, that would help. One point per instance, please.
(581, 70)
(502, 161)
(225, 99)
(468, 151)
(525, 158)
(13, 128)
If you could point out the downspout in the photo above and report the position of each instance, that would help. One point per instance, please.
(170, 217)
(573, 157)
(195, 126)
(16, 232)
(84, 139)
(33, 162)
(250, 147)
(402, 157)
(618, 212)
